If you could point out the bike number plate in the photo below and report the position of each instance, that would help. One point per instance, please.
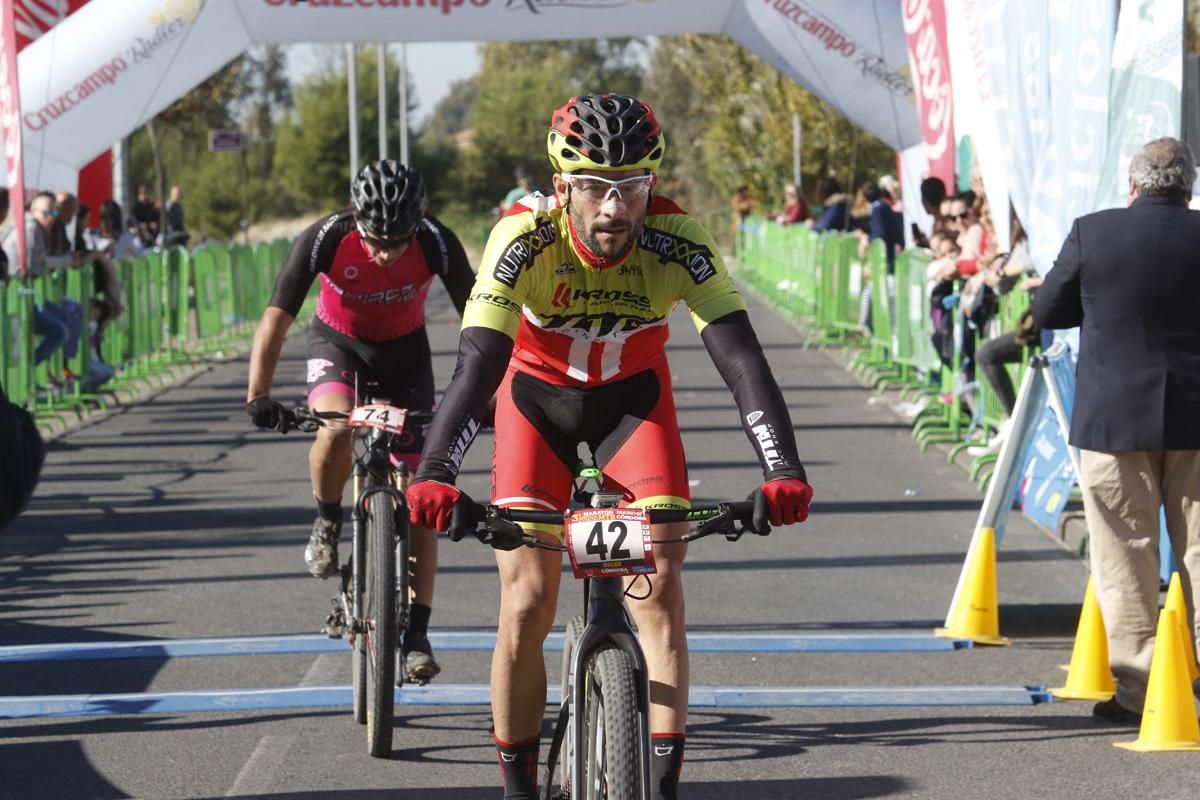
(609, 542)
(378, 415)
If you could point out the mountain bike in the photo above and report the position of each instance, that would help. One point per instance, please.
(371, 607)
(603, 726)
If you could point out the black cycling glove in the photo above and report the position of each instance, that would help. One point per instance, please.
(268, 414)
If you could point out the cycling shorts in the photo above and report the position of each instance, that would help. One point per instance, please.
(629, 425)
(402, 368)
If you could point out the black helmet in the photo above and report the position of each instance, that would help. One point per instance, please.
(389, 199)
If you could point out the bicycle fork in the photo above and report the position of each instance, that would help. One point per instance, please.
(607, 623)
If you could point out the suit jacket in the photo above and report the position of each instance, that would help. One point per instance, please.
(1130, 277)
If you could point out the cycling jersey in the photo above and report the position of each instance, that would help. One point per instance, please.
(361, 299)
(580, 321)
(571, 319)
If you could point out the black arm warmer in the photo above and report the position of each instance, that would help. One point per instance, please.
(739, 358)
(447, 259)
(483, 356)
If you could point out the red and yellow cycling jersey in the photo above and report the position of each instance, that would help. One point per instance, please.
(580, 322)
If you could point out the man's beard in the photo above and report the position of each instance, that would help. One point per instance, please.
(589, 240)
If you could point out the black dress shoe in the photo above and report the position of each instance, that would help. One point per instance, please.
(1112, 711)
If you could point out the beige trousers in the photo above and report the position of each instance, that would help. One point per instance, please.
(1122, 493)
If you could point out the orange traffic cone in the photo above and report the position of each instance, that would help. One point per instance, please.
(1176, 604)
(1169, 717)
(1089, 676)
(974, 611)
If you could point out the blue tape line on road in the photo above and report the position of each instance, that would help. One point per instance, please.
(766, 642)
(477, 695)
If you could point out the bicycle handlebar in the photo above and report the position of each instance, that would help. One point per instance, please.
(308, 421)
(501, 531)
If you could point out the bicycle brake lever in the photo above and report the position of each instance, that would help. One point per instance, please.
(500, 533)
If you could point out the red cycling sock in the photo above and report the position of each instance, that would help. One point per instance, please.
(666, 760)
(518, 765)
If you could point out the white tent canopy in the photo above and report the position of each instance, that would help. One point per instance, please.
(114, 64)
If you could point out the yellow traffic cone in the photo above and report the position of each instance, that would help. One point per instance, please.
(1089, 676)
(974, 612)
(1176, 604)
(1169, 717)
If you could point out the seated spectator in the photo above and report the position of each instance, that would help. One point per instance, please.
(1012, 271)
(828, 193)
(176, 229)
(111, 237)
(58, 325)
(795, 209)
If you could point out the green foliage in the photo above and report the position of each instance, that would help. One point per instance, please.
(740, 120)
(519, 85)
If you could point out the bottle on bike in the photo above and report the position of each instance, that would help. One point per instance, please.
(567, 325)
(376, 261)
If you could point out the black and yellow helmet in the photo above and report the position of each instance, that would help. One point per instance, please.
(607, 132)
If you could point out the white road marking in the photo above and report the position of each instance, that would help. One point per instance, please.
(258, 776)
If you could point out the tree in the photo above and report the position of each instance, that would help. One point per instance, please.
(740, 118)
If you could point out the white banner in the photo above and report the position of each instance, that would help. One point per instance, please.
(116, 63)
(974, 105)
(856, 62)
(1146, 89)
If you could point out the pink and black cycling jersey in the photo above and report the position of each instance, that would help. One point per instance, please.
(361, 299)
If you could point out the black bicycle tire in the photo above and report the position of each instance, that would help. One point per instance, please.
(358, 672)
(358, 656)
(380, 612)
(612, 700)
(570, 639)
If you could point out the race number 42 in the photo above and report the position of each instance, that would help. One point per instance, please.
(609, 542)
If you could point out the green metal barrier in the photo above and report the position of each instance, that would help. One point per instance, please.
(16, 341)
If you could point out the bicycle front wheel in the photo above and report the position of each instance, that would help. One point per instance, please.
(613, 755)
(566, 754)
(380, 616)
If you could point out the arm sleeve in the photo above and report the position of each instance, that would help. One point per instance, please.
(483, 356)
(448, 260)
(1059, 300)
(734, 348)
(311, 253)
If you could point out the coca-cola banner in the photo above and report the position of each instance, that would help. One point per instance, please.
(10, 116)
(107, 68)
(929, 57)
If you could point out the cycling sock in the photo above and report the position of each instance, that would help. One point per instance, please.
(330, 511)
(418, 623)
(518, 765)
(666, 760)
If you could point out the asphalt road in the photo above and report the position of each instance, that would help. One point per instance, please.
(176, 520)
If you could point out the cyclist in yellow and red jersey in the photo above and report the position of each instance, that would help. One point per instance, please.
(375, 262)
(568, 321)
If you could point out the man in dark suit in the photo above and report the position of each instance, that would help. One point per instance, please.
(1130, 278)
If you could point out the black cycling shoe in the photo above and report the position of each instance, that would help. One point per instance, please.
(419, 664)
(321, 554)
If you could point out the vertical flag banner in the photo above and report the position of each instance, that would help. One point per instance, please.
(10, 123)
(1145, 91)
(929, 59)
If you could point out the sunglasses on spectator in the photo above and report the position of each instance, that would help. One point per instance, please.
(49, 212)
(599, 189)
(958, 217)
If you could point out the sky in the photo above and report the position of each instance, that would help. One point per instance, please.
(432, 65)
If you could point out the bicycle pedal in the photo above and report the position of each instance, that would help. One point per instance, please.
(335, 622)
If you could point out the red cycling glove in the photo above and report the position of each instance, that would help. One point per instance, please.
(430, 504)
(788, 500)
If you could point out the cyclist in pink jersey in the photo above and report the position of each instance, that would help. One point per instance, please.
(376, 262)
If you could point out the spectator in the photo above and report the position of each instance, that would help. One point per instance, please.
(795, 209)
(742, 205)
(111, 237)
(145, 213)
(828, 192)
(933, 195)
(23, 451)
(1012, 271)
(59, 326)
(860, 211)
(891, 193)
(176, 229)
(1128, 277)
(524, 187)
(883, 223)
